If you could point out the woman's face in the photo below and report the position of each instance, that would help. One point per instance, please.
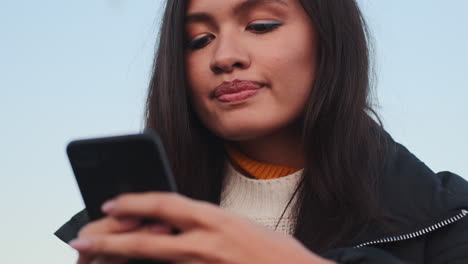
(250, 64)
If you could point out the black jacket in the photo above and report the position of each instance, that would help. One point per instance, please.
(426, 212)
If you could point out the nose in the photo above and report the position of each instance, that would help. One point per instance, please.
(229, 54)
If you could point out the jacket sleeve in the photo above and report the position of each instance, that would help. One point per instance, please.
(70, 229)
(366, 255)
(449, 244)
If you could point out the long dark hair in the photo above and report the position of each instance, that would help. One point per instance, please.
(344, 145)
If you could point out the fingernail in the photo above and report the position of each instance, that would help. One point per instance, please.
(80, 244)
(108, 206)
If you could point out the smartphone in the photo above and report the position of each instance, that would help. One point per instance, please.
(108, 166)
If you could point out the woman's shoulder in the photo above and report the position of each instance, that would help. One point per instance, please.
(408, 183)
(425, 213)
(414, 200)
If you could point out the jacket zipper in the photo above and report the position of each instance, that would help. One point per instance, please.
(421, 232)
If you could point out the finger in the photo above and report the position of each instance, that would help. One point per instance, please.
(191, 262)
(84, 259)
(101, 259)
(172, 208)
(157, 228)
(137, 245)
(104, 259)
(110, 225)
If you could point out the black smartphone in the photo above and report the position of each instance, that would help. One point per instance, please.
(109, 166)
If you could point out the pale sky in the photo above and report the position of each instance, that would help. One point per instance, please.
(74, 69)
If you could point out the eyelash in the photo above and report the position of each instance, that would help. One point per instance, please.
(265, 27)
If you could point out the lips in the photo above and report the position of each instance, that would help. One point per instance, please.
(236, 90)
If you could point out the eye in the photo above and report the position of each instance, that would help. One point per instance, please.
(264, 27)
(201, 42)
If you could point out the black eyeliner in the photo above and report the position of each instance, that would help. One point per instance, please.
(268, 26)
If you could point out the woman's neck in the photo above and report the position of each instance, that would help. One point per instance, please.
(283, 148)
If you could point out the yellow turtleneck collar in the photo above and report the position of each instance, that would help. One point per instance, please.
(255, 169)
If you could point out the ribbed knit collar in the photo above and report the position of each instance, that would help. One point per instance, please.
(256, 169)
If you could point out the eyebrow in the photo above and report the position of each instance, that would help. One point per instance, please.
(249, 4)
(239, 8)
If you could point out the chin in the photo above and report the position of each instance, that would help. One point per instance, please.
(242, 132)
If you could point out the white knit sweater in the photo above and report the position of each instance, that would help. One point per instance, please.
(262, 201)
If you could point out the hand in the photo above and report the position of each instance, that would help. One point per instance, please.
(111, 225)
(208, 234)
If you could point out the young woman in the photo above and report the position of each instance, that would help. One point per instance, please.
(263, 107)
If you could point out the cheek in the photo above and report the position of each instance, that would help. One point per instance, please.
(292, 72)
(297, 66)
(197, 79)
(200, 80)
(194, 72)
